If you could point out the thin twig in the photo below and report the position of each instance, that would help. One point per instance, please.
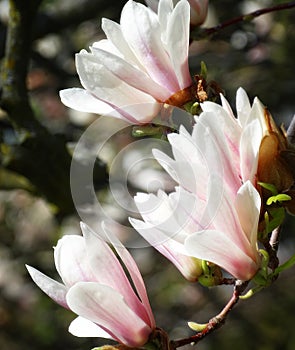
(216, 321)
(199, 34)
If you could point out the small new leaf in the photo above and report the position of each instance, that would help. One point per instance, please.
(197, 327)
(278, 198)
(269, 187)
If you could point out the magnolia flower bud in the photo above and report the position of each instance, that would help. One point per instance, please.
(199, 10)
(273, 165)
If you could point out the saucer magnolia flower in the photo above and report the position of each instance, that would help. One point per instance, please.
(95, 287)
(199, 9)
(141, 64)
(213, 215)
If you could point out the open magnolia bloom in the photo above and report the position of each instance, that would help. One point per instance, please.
(141, 64)
(97, 289)
(199, 9)
(214, 213)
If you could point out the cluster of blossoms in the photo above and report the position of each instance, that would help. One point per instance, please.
(213, 219)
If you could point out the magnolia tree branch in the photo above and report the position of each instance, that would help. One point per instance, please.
(216, 322)
(204, 33)
(35, 153)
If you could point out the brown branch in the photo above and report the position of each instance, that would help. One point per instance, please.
(216, 321)
(204, 33)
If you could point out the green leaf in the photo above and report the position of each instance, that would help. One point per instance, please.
(204, 70)
(289, 263)
(278, 216)
(269, 187)
(198, 327)
(278, 198)
(148, 130)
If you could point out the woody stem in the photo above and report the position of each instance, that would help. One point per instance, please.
(216, 321)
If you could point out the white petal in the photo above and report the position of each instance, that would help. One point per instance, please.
(218, 248)
(107, 269)
(71, 261)
(178, 42)
(248, 204)
(52, 288)
(164, 12)
(143, 36)
(226, 106)
(114, 34)
(170, 248)
(133, 270)
(243, 106)
(106, 307)
(249, 148)
(159, 239)
(81, 327)
(131, 75)
(82, 100)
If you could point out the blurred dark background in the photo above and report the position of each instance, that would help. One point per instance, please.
(258, 56)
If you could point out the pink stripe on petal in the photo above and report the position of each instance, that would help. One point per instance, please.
(107, 308)
(144, 39)
(218, 248)
(178, 43)
(134, 274)
(131, 75)
(108, 270)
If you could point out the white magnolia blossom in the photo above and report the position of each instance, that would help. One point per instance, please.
(142, 63)
(96, 287)
(213, 213)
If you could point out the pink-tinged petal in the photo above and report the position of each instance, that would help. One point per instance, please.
(144, 39)
(178, 42)
(221, 209)
(106, 307)
(52, 288)
(247, 205)
(170, 248)
(218, 248)
(81, 327)
(71, 262)
(106, 86)
(249, 146)
(199, 9)
(134, 273)
(156, 237)
(84, 101)
(140, 113)
(107, 269)
(221, 146)
(130, 74)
